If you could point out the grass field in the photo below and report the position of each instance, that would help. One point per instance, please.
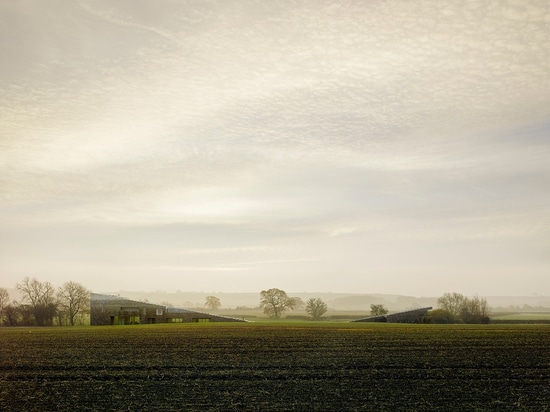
(276, 366)
(523, 316)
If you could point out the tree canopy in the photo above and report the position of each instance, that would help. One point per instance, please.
(452, 303)
(212, 302)
(73, 300)
(39, 298)
(315, 307)
(460, 309)
(41, 303)
(275, 302)
(378, 310)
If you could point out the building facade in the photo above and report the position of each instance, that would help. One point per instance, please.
(116, 310)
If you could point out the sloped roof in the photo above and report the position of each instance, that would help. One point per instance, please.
(122, 301)
(397, 317)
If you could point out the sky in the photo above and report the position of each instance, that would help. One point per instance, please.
(234, 146)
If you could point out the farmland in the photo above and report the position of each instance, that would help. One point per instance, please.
(276, 366)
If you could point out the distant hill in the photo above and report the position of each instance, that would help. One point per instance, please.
(392, 302)
(519, 302)
(335, 301)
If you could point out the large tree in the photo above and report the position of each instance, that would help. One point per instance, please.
(40, 298)
(11, 315)
(212, 302)
(275, 302)
(74, 300)
(464, 309)
(315, 307)
(452, 303)
(475, 310)
(378, 310)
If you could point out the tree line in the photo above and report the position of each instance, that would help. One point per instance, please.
(44, 305)
(453, 307)
(457, 308)
(276, 301)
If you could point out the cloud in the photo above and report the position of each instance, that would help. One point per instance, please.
(252, 125)
(223, 250)
(203, 269)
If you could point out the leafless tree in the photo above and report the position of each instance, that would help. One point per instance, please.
(35, 292)
(464, 309)
(475, 310)
(452, 303)
(40, 297)
(74, 300)
(12, 314)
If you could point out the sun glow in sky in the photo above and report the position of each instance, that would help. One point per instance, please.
(345, 146)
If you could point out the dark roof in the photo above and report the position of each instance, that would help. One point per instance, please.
(394, 317)
(121, 300)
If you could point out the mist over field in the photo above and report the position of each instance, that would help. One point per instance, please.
(336, 301)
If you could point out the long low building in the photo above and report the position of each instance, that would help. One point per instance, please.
(116, 310)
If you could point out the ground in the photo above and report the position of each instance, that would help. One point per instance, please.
(276, 366)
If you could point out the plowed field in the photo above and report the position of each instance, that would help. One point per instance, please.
(276, 366)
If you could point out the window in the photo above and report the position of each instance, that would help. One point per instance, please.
(159, 312)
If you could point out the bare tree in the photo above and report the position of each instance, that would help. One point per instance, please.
(315, 307)
(275, 302)
(464, 309)
(40, 297)
(452, 303)
(212, 302)
(4, 302)
(74, 300)
(475, 310)
(378, 310)
(12, 314)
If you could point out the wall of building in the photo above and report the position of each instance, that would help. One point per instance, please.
(114, 310)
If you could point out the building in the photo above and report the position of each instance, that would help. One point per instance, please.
(116, 310)
(409, 316)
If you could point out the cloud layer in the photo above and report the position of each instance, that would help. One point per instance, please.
(372, 146)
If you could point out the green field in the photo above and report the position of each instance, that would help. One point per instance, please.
(523, 316)
(276, 366)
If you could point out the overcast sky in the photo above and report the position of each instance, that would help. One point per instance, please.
(345, 146)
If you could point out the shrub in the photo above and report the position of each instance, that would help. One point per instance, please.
(440, 316)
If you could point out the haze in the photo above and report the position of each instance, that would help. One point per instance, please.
(344, 146)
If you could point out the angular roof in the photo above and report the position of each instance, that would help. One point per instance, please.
(122, 301)
(398, 317)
